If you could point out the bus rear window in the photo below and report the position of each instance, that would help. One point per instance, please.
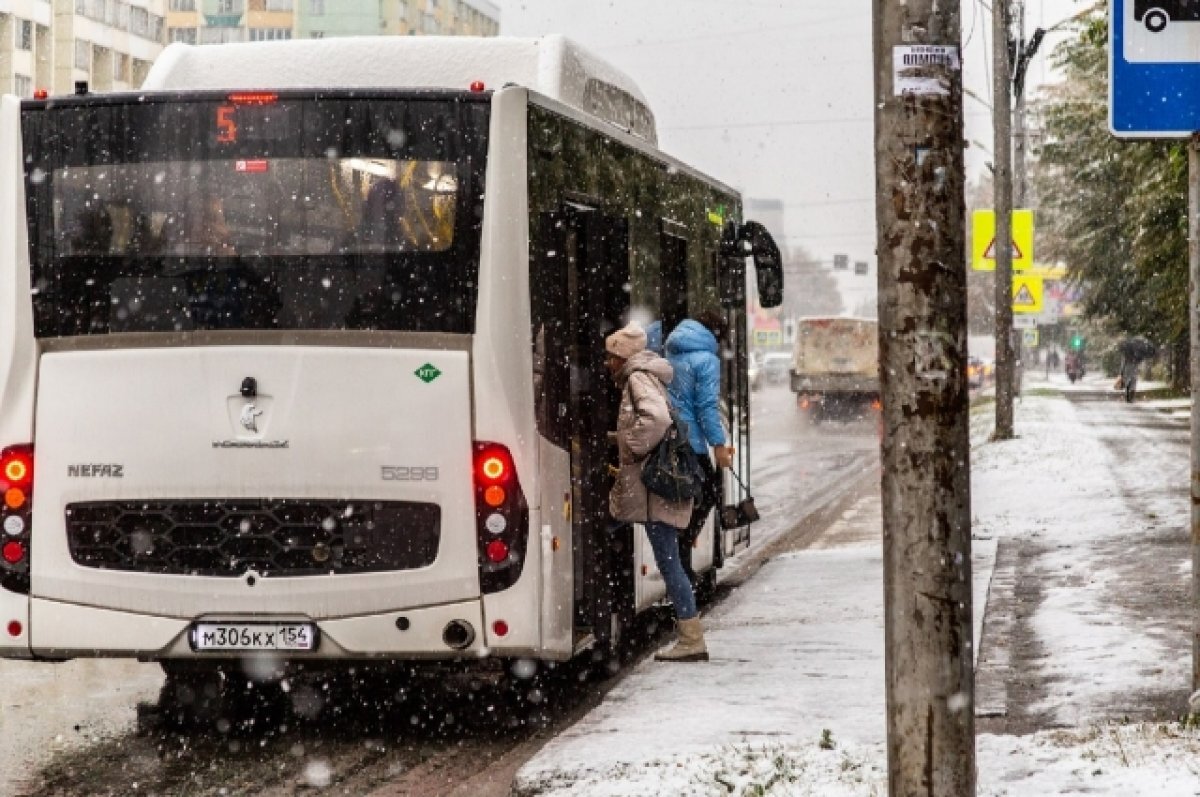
(255, 207)
(311, 213)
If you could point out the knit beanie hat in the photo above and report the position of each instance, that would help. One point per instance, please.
(626, 342)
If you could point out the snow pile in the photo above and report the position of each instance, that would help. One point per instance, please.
(1140, 760)
(821, 769)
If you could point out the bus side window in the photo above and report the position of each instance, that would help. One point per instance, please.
(549, 303)
(673, 284)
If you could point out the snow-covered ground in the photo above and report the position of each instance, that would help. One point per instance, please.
(792, 702)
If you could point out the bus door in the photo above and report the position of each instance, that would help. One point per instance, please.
(597, 254)
(731, 279)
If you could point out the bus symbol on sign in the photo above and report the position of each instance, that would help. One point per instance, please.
(427, 373)
(1155, 14)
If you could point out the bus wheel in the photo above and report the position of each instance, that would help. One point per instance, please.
(1156, 20)
(193, 698)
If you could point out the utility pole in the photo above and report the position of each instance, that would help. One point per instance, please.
(1002, 168)
(920, 211)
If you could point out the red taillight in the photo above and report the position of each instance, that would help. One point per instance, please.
(500, 628)
(16, 497)
(13, 552)
(477, 86)
(501, 517)
(15, 628)
(497, 551)
(41, 94)
(253, 97)
(493, 465)
(16, 467)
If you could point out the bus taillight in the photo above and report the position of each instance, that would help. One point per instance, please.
(501, 518)
(16, 486)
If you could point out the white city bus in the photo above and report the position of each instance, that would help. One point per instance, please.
(301, 353)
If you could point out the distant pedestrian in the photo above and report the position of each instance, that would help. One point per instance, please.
(642, 421)
(693, 349)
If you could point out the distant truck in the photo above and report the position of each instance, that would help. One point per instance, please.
(835, 366)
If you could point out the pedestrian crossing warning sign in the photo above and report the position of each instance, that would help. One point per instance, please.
(990, 254)
(983, 240)
(1028, 294)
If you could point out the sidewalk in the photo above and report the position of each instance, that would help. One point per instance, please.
(793, 703)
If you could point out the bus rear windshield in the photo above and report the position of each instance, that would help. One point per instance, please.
(269, 213)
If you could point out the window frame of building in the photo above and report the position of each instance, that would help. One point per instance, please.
(23, 34)
(281, 5)
(187, 35)
(139, 21)
(269, 34)
(83, 55)
(22, 85)
(183, 5)
(316, 8)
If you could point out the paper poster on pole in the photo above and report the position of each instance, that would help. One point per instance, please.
(924, 69)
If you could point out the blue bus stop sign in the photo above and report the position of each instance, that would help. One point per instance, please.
(1154, 68)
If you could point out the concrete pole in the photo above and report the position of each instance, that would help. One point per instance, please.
(1194, 286)
(920, 211)
(1002, 150)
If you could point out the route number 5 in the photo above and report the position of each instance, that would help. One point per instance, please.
(226, 127)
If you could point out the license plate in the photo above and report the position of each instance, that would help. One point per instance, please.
(254, 636)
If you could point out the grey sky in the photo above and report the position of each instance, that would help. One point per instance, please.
(775, 98)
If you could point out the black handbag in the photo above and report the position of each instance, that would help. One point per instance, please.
(671, 470)
(743, 513)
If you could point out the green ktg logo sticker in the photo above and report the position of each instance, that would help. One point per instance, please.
(427, 373)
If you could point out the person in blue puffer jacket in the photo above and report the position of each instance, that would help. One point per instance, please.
(693, 350)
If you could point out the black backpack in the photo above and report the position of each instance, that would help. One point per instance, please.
(671, 470)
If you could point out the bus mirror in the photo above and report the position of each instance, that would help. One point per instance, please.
(754, 240)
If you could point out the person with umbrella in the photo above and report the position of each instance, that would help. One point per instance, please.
(1134, 351)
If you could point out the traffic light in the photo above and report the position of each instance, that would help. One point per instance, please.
(1076, 341)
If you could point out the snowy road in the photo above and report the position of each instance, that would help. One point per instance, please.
(71, 728)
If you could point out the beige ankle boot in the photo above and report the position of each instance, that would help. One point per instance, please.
(690, 646)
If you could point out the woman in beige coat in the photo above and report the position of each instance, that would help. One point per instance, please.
(644, 418)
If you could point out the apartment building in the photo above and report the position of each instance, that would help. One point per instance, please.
(51, 44)
(216, 21)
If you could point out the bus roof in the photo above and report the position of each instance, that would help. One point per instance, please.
(552, 65)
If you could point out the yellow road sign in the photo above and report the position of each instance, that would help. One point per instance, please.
(1052, 273)
(983, 240)
(1028, 294)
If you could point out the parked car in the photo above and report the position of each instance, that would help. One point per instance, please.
(975, 372)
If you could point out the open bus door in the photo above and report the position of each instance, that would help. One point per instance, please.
(596, 301)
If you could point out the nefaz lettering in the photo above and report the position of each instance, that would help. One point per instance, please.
(94, 470)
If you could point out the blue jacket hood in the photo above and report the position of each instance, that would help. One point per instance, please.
(691, 336)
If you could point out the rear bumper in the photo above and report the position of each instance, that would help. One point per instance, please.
(835, 384)
(67, 630)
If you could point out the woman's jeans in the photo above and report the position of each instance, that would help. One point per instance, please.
(664, 540)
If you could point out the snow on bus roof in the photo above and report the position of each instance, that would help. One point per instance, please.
(552, 65)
